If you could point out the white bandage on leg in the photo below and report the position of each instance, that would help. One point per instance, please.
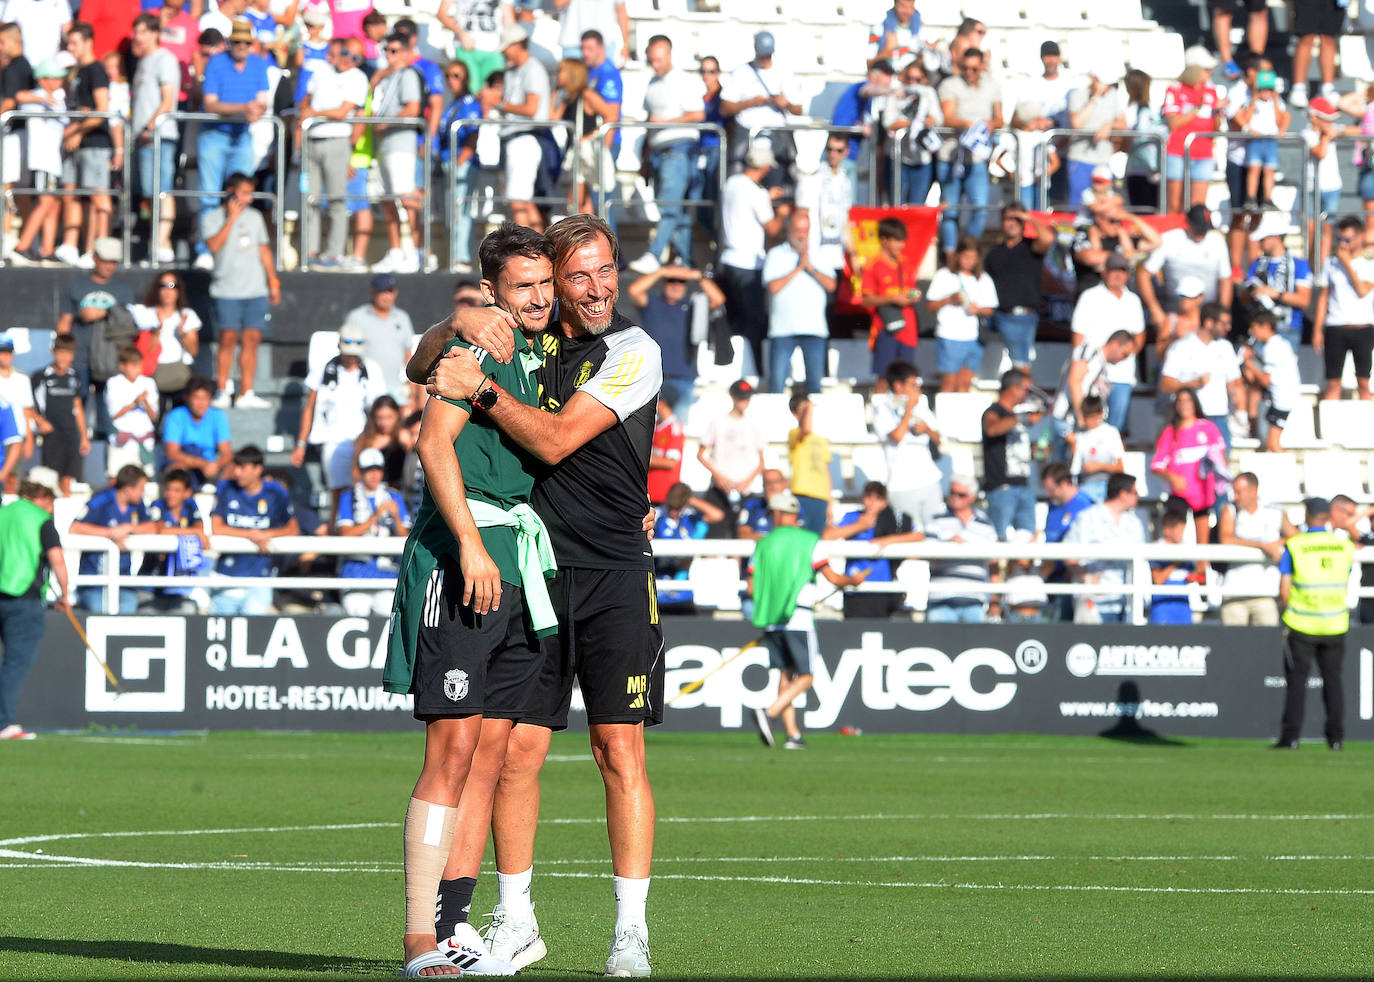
(428, 836)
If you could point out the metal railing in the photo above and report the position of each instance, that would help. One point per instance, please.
(123, 203)
(1314, 246)
(310, 212)
(1138, 586)
(471, 200)
(900, 134)
(1304, 199)
(688, 206)
(274, 198)
(874, 176)
(1136, 136)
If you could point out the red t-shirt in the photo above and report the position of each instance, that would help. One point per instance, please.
(179, 37)
(1184, 99)
(668, 441)
(112, 22)
(883, 278)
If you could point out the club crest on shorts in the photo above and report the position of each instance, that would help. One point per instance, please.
(455, 684)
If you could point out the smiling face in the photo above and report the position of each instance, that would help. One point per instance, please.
(587, 283)
(525, 289)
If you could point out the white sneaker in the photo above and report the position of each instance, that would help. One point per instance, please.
(462, 269)
(222, 400)
(391, 262)
(1329, 93)
(16, 732)
(514, 939)
(167, 257)
(85, 261)
(1298, 97)
(646, 263)
(431, 263)
(67, 254)
(352, 264)
(251, 400)
(629, 954)
(467, 950)
(204, 261)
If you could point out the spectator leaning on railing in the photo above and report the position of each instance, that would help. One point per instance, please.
(115, 514)
(371, 509)
(336, 91)
(249, 507)
(1115, 523)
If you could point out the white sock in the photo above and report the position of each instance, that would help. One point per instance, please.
(631, 897)
(513, 891)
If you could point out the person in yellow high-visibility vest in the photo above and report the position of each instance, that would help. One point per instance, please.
(1315, 570)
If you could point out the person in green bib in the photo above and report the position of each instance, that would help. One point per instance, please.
(1314, 575)
(471, 604)
(782, 581)
(29, 548)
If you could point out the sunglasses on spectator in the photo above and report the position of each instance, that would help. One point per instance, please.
(676, 281)
(394, 49)
(234, 44)
(169, 285)
(710, 71)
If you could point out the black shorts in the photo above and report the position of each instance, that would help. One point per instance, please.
(1322, 17)
(1358, 341)
(470, 664)
(62, 452)
(1238, 7)
(1276, 417)
(609, 640)
(792, 651)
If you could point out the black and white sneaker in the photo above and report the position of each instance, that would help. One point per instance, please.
(765, 726)
(794, 743)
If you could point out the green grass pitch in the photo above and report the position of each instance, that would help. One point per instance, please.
(275, 856)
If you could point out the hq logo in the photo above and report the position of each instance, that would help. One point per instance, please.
(147, 654)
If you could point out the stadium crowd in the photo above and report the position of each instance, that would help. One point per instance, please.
(1212, 319)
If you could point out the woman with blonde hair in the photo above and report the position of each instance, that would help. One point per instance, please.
(1191, 106)
(572, 82)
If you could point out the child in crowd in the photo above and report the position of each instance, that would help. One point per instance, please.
(1172, 608)
(120, 98)
(59, 413)
(132, 400)
(178, 515)
(1097, 450)
(683, 516)
(372, 509)
(1035, 153)
(889, 289)
(1025, 600)
(44, 160)
(960, 295)
(1266, 117)
(809, 454)
(1270, 369)
(1324, 166)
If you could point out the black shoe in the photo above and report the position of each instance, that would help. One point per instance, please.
(1336, 745)
(1285, 745)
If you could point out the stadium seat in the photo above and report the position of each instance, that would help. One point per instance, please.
(870, 464)
(1055, 13)
(1347, 423)
(769, 412)
(741, 364)
(709, 405)
(1355, 56)
(1301, 432)
(914, 576)
(840, 417)
(959, 415)
(1277, 473)
(1004, 13)
(1334, 472)
(715, 582)
(324, 345)
(1158, 55)
(851, 360)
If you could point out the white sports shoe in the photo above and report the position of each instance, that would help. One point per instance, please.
(392, 262)
(630, 954)
(646, 263)
(251, 400)
(514, 939)
(222, 400)
(204, 261)
(16, 732)
(67, 253)
(467, 950)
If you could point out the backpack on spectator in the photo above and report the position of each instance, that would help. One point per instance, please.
(107, 337)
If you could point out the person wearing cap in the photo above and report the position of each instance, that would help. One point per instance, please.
(336, 91)
(1315, 20)
(1051, 90)
(372, 510)
(98, 149)
(236, 84)
(748, 221)
(1191, 106)
(897, 38)
(1318, 135)
(782, 582)
(312, 50)
(732, 450)
(952, 597)
(759, 94)
(1102, 311)
(153, 92)
(525, 99)
(399, 90)
(389, 336)
(1278, 280)
(1189, 251)
(32, 550)
(1205, 362)
(1267, 118)
(1345, 310)
(340, 393)
(243, 285)
(1314, 572)
(971, 102)
(1096, 106)
(44, 158)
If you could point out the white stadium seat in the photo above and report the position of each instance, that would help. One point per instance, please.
(1300, 433)
(959, 415)
(1277, 473)
(1334, 472)
(840, 417)
(870, 464)
(1347, 423)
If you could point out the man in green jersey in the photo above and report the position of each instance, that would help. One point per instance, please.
(470, 605)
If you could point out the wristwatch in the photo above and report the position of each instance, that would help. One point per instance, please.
(487, 397)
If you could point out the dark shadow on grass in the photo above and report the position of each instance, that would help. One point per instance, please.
(1128, 729)
(185, 954)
